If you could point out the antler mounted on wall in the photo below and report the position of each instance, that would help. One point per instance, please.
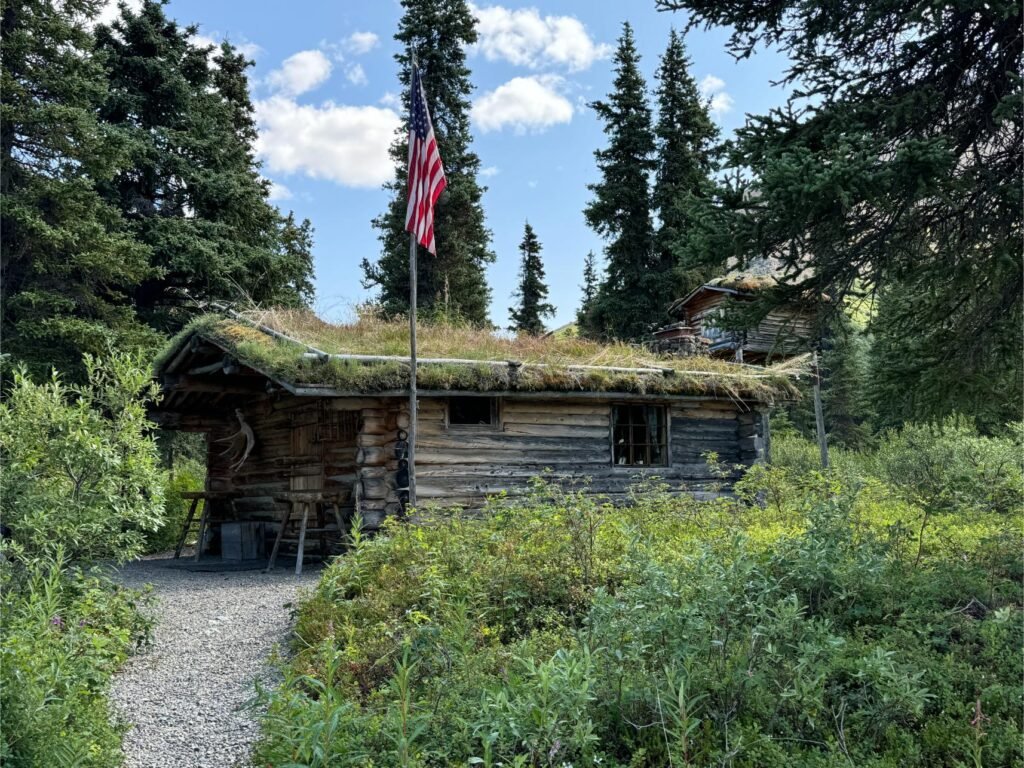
(240, 444)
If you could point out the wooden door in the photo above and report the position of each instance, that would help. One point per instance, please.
(307, 461)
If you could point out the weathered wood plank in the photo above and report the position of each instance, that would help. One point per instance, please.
(359, 403)
(554, 419)
(478, 441)
(377, 426)
(704, 414)
(372, 455)
(545, 458)
(556, 407)
(700, 426)
(563, 431)
(368, 440)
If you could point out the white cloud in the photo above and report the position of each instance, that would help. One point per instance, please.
(346, 144)
(523, 103)
(721, 104)
(248, 49)
(300, 72)
(202, 41)
(524, 38)
(279, 191)
(713, 88)
(489, 171)
(110, 11)
(711, 84)
(355, 74)
(391, 99)
(359, 43)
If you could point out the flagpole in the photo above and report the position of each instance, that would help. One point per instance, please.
(412, 370)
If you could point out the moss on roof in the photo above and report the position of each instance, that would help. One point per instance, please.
(741, 281)
(547, 363)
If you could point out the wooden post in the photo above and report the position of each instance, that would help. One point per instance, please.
(302, 539)
(203, 520)
(280, 535)
(186, 527)
(819, 415)
(412, 370)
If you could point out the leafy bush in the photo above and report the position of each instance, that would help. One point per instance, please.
(949, 467)
(792, 626)
(64, 633)
(81, 473)
(188, 476)
(81, 482)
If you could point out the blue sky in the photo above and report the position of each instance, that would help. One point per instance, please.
(325, 81)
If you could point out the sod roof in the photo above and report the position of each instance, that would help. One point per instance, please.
(371, 356)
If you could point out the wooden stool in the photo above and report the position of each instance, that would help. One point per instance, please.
(196, 496)
(304, 500)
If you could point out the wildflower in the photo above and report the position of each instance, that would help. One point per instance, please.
(57, 622)
(555, 749)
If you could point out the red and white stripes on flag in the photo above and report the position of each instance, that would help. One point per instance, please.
(426, 174)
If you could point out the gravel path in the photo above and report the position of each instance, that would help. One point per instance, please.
(213, 634)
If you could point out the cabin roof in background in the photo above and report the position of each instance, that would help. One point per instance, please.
(757, 275)
(308, 356)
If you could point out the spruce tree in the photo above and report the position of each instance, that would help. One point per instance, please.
(528, 316)
(912, 377)
(589, 288)
(193, 192)
(453, 282)
(686, 139)
(844, 362)
(895, 167)
(67, 263)
(628, 302)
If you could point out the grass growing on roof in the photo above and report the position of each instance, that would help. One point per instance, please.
(375, 335)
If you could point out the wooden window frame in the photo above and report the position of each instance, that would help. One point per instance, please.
(710, 327)
(496, 416)
(666, 444)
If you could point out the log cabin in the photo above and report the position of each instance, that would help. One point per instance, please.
(700, 327)
(290, 404)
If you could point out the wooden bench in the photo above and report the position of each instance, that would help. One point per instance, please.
(303, 502)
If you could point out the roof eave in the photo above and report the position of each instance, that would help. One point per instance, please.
(175, 358)
(680, 303)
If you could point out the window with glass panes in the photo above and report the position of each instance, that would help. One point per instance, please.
(472, 411)
(639, 435)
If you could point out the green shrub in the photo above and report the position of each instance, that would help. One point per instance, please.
(81, 473)
(188, 476)
(81, 482)
(950, 467)
(64, 633)
(799, 624)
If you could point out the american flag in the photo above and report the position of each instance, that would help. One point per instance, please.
(426, 174)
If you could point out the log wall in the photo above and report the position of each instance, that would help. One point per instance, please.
(297, 448)
(572, 438)
(782, 332)
(464, 464)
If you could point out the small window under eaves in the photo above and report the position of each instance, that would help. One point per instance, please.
(472, 411)
(639, 435)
